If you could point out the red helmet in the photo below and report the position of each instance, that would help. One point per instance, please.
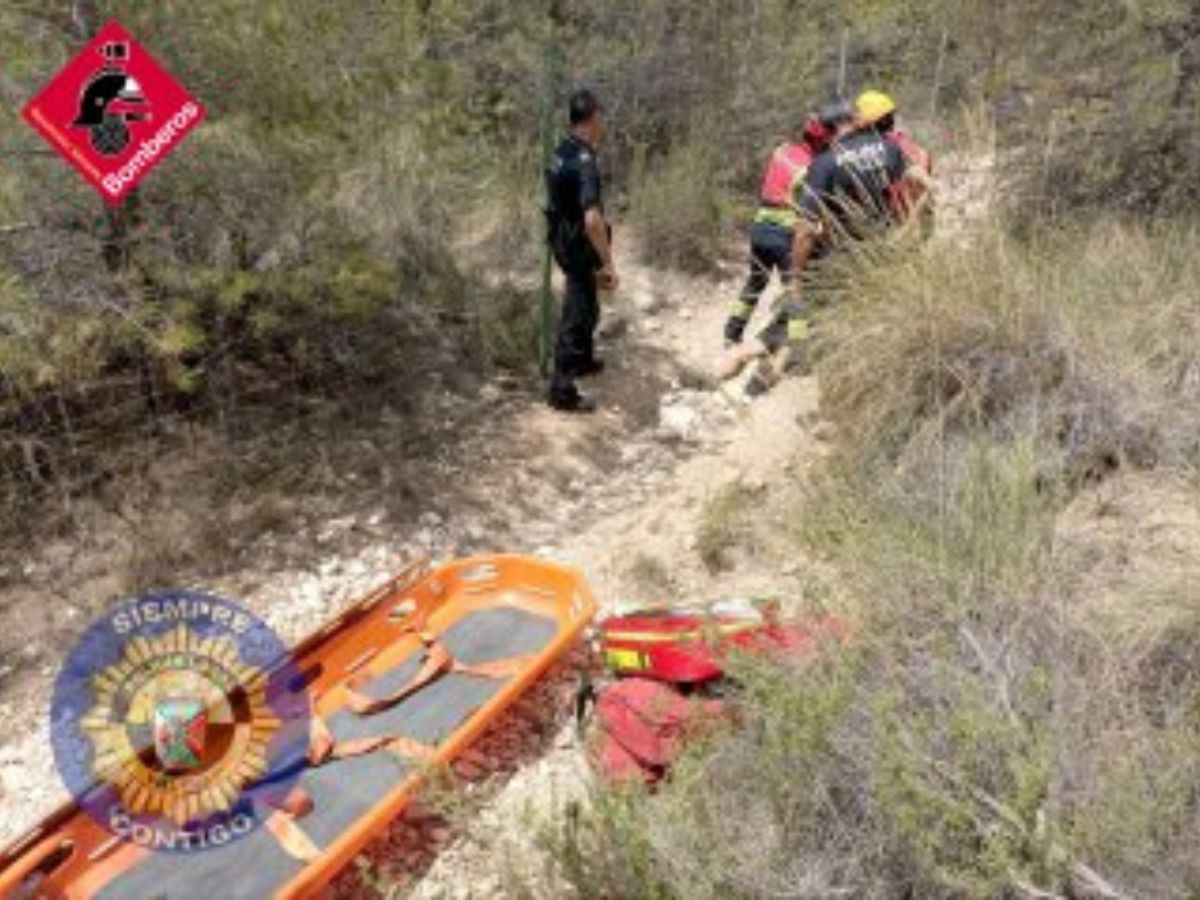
(816, 133)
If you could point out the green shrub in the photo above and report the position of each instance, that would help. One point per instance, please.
(509, 327)
(678, 207)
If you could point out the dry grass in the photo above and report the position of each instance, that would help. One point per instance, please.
(1018, 714)
(678, 207)
(1086, 341)
(723, 525)
(651, 575)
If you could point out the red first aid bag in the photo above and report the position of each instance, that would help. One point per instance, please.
(643, 726)
(689, 647)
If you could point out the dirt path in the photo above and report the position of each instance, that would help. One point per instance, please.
(676, 491)
(697, 512)
(623, 494)
(710, 521)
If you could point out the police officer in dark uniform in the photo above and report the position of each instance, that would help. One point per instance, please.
(580, 240)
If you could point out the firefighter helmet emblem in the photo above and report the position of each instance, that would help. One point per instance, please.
(110, 101)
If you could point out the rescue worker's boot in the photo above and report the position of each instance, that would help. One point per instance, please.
(792, 357)
(574, 401)
(796, 359)
(739, 317)
(766, 376)
(796, 354)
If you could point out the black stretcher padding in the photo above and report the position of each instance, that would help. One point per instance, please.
(345, 790)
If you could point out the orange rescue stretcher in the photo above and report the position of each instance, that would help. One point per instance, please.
(404, 679)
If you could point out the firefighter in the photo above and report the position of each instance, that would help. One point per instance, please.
(850, 189)
(581, 241)
(775, 221)
(784, 327)
(848, 196)
(913, 199)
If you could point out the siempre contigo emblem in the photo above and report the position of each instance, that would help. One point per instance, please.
(178, 722)
(114, 113)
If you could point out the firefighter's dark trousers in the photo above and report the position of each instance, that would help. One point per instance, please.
(575, 348)
(770, 251)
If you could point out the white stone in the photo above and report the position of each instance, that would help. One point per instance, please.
(679, 421)
(646, 302)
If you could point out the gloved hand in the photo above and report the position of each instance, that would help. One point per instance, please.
(734, 329)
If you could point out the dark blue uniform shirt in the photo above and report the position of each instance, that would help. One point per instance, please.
(851, 182)
(572, 188)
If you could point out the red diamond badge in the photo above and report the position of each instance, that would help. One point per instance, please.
(114, 113)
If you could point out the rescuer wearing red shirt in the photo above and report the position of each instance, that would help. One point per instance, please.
(775, 222)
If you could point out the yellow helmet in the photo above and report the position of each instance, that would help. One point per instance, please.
(873, 106)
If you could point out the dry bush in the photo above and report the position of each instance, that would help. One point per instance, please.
(983, 737)
(723, 524)
(1084, 340)
(678, 207)
(1002, 724)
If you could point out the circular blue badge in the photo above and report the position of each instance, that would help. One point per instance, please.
(179, 721)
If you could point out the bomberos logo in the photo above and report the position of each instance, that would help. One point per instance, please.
(179, 722)
(114, 112)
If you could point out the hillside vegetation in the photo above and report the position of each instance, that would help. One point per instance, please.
(1007, 510)
(368, 180)
(1019, 714)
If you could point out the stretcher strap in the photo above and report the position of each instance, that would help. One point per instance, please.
(323, 746)
(284, 826)
(438, 662)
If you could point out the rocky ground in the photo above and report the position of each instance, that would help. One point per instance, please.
(622, 494)
(679, 490)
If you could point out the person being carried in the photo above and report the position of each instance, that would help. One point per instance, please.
(580, 240)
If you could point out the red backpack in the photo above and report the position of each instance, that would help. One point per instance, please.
(644, 719)
(643, 726)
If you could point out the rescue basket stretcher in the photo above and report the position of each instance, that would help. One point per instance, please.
(404, 679)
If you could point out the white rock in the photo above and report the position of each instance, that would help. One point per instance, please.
(679, 421)
(612, 327)
(646, 302)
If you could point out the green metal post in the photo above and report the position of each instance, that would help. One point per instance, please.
(547, 300)
(549, 102)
